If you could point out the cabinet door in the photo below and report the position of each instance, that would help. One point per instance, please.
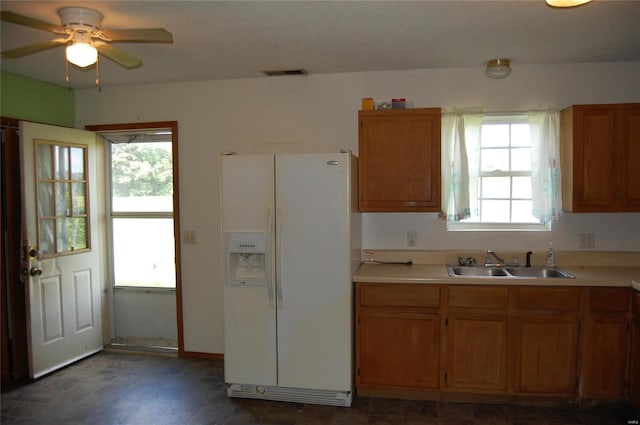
(634, 366)
(476, 352)
(594, 160)
(629, 130)
(398, 349)
(605, 356)
(399, 160)
(547, 349)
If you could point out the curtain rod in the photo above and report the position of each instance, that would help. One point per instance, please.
(477, 111)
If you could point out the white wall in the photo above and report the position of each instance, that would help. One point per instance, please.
(318, 113)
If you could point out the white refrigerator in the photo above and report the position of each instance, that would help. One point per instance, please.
(291, 236)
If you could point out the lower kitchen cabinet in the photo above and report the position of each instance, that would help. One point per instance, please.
(491, 342)
(476, 352)
(634, 352)
(547, 352)
(477, 337)
(398, 349)
(398, 337)
(605, 344)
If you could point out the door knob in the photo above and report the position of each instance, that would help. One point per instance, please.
(33, 253)
(35, 271)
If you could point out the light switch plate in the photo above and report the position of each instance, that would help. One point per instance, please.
(412, 239)
(587, 240)
(189, 237)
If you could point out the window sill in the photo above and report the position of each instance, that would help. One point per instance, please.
(498, 227)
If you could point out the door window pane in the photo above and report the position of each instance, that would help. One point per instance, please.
(45, 196)
(77, 164)
(61, 162)
(143, 251)
(142, 177)
(44, 162)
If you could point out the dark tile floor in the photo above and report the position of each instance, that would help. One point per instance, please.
(116, 388)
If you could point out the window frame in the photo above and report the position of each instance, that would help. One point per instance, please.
(510, 118)
(138, 214)
(54, 180)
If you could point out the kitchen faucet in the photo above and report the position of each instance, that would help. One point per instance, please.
(499, 260)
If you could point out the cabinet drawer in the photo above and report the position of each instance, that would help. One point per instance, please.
(548, 299)
(478, 297)
(399, 295)
(635, 304)
(609, 300)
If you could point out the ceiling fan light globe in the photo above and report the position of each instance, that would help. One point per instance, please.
(566, 3)
(82, 54)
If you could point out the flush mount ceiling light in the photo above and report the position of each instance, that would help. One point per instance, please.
(498, 68)
(566, 3)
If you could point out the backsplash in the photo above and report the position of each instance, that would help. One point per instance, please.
(563, 258)
(611, 232)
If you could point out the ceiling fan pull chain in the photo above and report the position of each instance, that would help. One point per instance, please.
(66, 74)
(98, 74)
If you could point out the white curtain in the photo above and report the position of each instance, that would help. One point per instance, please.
(544, 128)
(460, 166)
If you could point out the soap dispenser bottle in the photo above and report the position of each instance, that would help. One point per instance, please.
(551, 256)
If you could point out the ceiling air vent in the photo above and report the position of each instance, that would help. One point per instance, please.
(279, 72)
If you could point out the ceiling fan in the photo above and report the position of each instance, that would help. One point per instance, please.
(80, 30)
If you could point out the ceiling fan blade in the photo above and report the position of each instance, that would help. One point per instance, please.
(32, 48)
(119, 56)
(144, 35)
(18, 19)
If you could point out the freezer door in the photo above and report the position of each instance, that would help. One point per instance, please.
(250, 354)
(314, 287)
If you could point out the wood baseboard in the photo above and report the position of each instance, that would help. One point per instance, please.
(199, 355)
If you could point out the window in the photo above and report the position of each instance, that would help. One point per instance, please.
(62, 201)
(502, 172)
(142, 209)
(505, 171)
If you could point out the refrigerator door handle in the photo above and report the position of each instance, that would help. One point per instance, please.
(279, 214)
(268, 260)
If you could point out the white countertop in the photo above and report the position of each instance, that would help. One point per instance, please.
(437, 274)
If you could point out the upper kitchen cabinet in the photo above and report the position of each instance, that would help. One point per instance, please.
(600, 153)
(399, 160)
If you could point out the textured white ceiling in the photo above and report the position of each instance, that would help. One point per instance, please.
(238, 39)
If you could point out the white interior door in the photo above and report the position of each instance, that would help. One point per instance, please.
(62, 250)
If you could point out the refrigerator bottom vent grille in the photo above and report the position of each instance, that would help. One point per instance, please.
(296, 395)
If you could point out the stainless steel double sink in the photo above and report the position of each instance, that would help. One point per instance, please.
(509, 272)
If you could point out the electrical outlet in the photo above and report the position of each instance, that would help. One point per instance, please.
(412, 239)
(587, 240)
(368, 256)
(190, 237)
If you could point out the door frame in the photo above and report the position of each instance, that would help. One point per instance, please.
(15, 351)
(173, 125)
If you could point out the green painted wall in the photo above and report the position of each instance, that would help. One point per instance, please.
(33, 100)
